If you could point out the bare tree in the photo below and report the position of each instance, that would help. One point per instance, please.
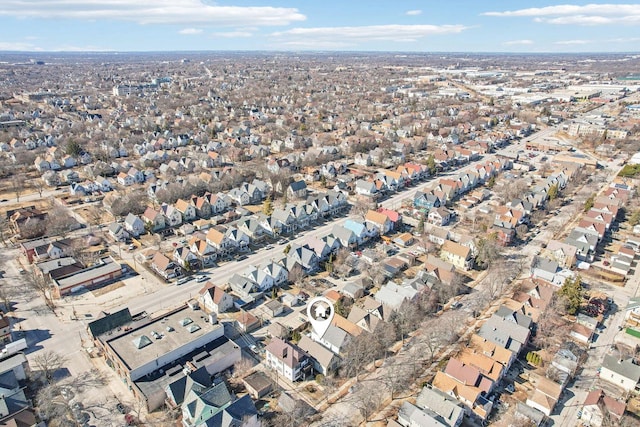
(59, 221)
(48, 363)
(367, 400)
(396, 377)
(521, 231)
(4, 229)
(52, 404)
(296, 274)
(94, 215)
(39, 185)
(17, 185)
(6, 295)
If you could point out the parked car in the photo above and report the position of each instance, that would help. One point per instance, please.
(183, 280)
(201, 278)
(120, 407)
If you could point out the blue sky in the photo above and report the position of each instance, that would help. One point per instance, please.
(336, 25)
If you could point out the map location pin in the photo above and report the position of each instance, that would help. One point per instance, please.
(320, 312)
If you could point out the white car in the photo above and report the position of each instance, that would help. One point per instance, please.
(201, 278)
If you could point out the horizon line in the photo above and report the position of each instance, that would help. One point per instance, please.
(324, 52)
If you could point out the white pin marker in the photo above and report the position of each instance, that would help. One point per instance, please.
(320, 312)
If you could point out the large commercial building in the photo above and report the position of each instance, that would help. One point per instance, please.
(148, 353)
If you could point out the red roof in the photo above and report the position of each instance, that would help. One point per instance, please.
(393, 216)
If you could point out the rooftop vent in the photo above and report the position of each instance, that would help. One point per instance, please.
(141, 341)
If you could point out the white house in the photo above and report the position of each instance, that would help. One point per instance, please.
(214, 299)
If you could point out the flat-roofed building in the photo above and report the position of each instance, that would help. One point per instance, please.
(147, 352)
(89, 278)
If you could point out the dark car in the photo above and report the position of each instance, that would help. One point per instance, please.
(120, 407)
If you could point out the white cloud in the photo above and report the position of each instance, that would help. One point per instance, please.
(518, 42)
(415, 12)
(233, 34)
(573, 42)
(152, 12)
(316, 45)
(18, 46)
(351, 35)
(73, 48)
(624, 40)
(568, 14)
(190, 31)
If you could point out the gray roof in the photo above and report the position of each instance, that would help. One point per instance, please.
(546, 264)
(110, 322)
(533, 414)
(505, 333)
(416, 417)
(241, 285)
(319, 353)
(625, 368)
(514, 316)
(298, 185)
(198, 380)
(335, 336)
(448, 408)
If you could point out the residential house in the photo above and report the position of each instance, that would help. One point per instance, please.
(186, 209)
(202, 206)
(173, 216)
(134, 225)
(486, 365)
(505, 333)
(217, 203)
(379, 220)
(287, 359)
(440, 216)
(261, 278)
(599, 408)
(220, 241)
(546, 269)
(622, 373)
(242, 286)
(125, 179)
(473, 395)
(456, 254)
(545, 394)
(427, 201)
(409, 415)
(563, 253)
(214, 299)
(324, 361)
(237, 238)
(393, 295)
(346, 237)
(277, 272)
(305, 257)
(164, 266)
(118, 233)
(203, 250)
(367, 315)
(185, 258)
(450, 412)
(240, 197)
(363, 231)
(153, 219)
(297, 189)
(334, 338)
(495, 351)
(366, 188)
(585, 244)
